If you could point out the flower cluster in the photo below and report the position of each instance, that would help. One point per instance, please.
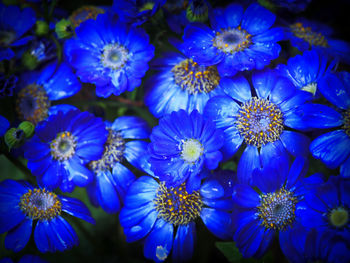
(152, 122)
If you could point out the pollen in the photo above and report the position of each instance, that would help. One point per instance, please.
(114, 56)
(177, 206)
(259, 121)
(191, 150)
(40, 204)
(63, 146)
(277, 210)
(32, 104)
(232, 40)
(113, 152)
(307, 34)
(195, 78)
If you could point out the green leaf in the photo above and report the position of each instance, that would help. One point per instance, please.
(230, 251)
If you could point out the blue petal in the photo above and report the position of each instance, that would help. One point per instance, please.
(263, 82)
(297, 171)
(345, 169)
(6, 53)
(254, 242)
(130, 217)
(212, 159)
(107, 193)
(257, 19)
(282, 90)
(286, 244)
(62, 107)
(245, 196)
(231, 17)
(76, 208)
(142, 228)
(269, 179)
(272, 151)
(237, 88)
(333, 148)
(131, 127)
(212, 189)
(4, 125)
(80, 174)
(122, 178)
(135, 151)
(52, 178)
(271, 35)
(296, 143)
(218, 222)
(333, 89)
(184, 242)
(142, 191)
(249, 161)
(233, 140)
(297, 99)
(18, 237)
(159, 242)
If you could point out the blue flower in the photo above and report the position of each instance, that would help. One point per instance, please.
(327, 210)
(261, 214)
(22, 205)
(7, 85)
(181, 84)
(332, 148)
(292, 5)
(14, 23)
(306, 70)
(112, 178)
(238, 40)
(62, 145)
(260, 118)
(109, 55)
(38, 89)
(136, 12)
(181, 146)
(164, 217)
(305, 34)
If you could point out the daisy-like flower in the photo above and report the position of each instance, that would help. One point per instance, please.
(181, 146)
(238, 40)
(164, 217)
(38, 89)
(306, 70)
(61, 147)
(14, 23)
(22, 206)
(112, 178)
(332, 148)
(273, 209)
(109, 54)
(181, 84)
(260, 119)
(306, 34)
(136, 12)
(327, 210)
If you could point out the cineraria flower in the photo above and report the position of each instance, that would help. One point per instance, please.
(237, 41)
(54, 82)
(260, 119)
(25, 259)
(136, 12)
(62, 145)
(327, 211)
(181, 84)
(332, 148)
(273, 209)
(22, 205)
(305, 34)
(165, 216)
(84, 13)
(109, 55)
(14, 22)
(112, 178)
(7, 85)
(306, 70)
(292, 5)
(181, 146)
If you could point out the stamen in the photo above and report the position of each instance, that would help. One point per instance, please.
(277, 210)
(259, 121)
(40, 204)
(33, 104)
(311, 87)
(195, 78)
(306, 33)
(191, 150)
(232, 40)
(176, 206)
(346, 122)
(113, 153)
(63, 146)
(339, 217)
(114, 56)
